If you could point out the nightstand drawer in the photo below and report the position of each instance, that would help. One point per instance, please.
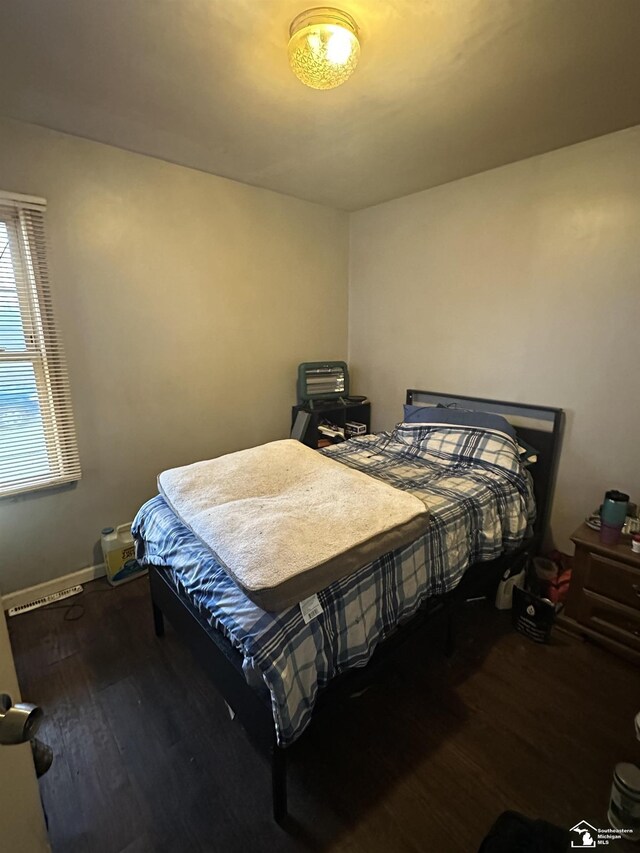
(610, 619)
(613, 580)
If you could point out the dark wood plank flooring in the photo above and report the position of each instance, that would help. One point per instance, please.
(147, 759)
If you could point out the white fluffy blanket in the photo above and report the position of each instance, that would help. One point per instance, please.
(286, 521)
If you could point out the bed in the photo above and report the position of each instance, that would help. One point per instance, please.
(277, 671)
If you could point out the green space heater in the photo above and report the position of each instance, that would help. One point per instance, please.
(322, 380)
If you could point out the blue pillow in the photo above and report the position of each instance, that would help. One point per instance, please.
(456, 417)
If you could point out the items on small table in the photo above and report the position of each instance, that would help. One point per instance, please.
(329, 420)
(613, 514)
(631, 523)
(326, 413)
(331, 431)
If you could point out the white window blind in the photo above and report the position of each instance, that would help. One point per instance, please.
(37, 435)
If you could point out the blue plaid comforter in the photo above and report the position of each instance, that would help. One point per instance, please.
(481, 504)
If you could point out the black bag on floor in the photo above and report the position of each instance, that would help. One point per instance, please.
(515, 833)
(532, 615)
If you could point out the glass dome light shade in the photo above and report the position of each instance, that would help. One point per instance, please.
(323, 47)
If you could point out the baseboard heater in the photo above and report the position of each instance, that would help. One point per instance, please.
(46, 599)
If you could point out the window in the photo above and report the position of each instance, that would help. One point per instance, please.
(37, 435)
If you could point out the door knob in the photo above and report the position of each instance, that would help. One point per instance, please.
(18, 723)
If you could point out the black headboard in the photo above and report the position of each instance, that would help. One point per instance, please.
(540, 426)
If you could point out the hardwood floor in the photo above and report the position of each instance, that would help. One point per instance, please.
(147, 759)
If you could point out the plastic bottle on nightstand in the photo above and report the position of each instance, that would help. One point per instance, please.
(612, 515)
(118, 550)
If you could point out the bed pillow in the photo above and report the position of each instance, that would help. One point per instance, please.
(456, 417)
(528, 454)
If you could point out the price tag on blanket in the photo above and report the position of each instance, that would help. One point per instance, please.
(310, 608)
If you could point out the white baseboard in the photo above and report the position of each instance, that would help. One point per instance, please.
(24, 596)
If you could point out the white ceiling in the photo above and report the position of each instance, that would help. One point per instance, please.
(444, 89)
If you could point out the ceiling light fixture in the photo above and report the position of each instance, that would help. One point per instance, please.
(323, 47)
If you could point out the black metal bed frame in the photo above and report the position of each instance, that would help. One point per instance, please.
(539, 425)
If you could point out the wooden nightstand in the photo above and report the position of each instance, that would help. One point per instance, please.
(604, 598)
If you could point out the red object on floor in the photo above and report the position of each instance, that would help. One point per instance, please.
(555, 577)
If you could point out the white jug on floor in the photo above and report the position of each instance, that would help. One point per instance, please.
(118, 550)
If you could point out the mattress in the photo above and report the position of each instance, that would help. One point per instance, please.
(481, 505)
(264, 512)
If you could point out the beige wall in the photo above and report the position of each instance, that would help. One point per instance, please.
(172, 285)
(522, 283)
(185, 302)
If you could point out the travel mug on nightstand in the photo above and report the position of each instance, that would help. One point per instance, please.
(612, 515)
